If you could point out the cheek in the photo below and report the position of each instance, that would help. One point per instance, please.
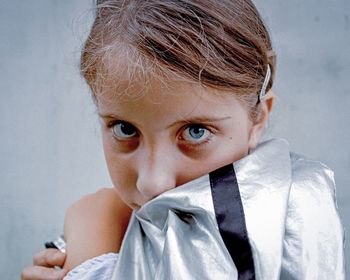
(226, 151)
(121, 172)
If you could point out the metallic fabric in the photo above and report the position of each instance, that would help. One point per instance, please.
(290, 215)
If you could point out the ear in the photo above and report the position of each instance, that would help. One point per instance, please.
(259, 124)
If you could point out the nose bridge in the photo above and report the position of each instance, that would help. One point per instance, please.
(156, 171)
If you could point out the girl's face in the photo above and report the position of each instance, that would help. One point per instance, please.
(169, 135)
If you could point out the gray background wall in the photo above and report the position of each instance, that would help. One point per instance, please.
(50, 148)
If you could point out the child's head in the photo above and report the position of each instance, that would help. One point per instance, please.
(177, 84)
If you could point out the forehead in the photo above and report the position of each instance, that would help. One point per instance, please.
(129, 78)
(160, 105)
(131, 82)
(157, 92)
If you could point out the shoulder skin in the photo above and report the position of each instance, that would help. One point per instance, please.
(95, 225)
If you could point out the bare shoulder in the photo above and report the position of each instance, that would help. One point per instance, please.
(95, 225)
(104, 196)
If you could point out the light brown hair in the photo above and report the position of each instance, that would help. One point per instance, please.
(222, 44)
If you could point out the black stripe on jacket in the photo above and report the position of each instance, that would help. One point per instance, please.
(231, 221)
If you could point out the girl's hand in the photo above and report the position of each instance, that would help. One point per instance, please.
(95, 225)
(43, 266)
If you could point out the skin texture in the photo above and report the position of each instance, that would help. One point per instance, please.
(94, 225)
(160, 155)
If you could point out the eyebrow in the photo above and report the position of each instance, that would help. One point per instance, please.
(108, 116)
(196, 119)
(199, 119)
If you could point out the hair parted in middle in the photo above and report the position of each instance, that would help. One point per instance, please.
(221, 44)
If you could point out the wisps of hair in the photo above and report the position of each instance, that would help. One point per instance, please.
(222, 44)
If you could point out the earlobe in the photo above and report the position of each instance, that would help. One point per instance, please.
(259, 125)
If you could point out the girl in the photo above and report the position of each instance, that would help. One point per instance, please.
(183, 90)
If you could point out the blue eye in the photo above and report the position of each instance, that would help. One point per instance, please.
(124, 130)
(195, 133)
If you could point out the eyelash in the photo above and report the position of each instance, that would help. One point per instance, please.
(202, 143)
(111, 124)
(199, 145)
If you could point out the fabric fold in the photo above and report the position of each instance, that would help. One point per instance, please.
(232, 223)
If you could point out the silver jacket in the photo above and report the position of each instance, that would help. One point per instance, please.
(271, 215)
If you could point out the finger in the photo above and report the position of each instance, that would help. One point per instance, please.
(49, 258)
(42, 273)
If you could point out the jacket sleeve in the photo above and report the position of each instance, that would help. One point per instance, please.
(313, 246)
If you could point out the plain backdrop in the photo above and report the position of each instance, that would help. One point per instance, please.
(50, 147)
